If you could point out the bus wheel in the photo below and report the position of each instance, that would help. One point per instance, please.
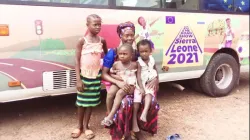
(195, 85)
(221, 75)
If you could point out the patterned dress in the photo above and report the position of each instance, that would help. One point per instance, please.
(122, 125)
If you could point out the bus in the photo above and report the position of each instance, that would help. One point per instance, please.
(204, 41)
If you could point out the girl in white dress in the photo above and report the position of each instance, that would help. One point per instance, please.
(146, 72)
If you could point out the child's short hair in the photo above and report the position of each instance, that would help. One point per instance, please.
(227, 19)
(144, 42)
(128, 46)
(92, 16)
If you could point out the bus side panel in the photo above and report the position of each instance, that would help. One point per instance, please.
(42, 40)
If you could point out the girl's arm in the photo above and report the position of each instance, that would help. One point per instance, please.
(152, 23)
(139, 80)
(157, 77)
(223, 38)
(157, 72)
(114, 75)
(104, 46)
(77, 64)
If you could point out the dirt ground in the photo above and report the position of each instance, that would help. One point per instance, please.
(193, 115)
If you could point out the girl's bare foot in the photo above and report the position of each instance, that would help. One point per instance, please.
(135, 128)
(143, 117)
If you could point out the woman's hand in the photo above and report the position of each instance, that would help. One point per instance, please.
(80, 86)
(125, 87)
(153, 84)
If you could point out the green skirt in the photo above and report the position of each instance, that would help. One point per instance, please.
(90, 97)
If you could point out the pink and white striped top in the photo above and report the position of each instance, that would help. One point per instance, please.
(91, 59)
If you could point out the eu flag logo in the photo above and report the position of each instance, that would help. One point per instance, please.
(170, 20)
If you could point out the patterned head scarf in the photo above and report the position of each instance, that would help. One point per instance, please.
(124, 26)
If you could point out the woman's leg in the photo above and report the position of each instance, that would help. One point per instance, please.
(148, 99)
(110, 97)
(118, 98)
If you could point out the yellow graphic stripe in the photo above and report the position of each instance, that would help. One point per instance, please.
(22, 85)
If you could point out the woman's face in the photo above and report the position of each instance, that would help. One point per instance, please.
(128, 36)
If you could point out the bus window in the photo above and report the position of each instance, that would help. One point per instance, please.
(88, 2)
(218, 5)
(241, 6)
(139, 3)
(182, 4)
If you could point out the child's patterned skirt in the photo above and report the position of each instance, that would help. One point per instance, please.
(90, 97)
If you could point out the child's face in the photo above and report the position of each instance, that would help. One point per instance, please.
(144, 51)
(128, 36)
(124, 54)
(94, 25)
(142, 21)
(228, 22)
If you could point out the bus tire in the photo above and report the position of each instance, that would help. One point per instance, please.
(221, 75)
(195, 84)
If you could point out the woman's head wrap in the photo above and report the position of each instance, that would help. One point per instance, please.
(123, 26)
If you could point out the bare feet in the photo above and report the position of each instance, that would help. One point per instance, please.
(135, 128)
(143, 117)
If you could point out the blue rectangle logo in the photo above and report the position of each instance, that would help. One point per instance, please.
(170, 20)
(200, 22)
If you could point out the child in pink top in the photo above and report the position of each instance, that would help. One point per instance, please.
(88, 74)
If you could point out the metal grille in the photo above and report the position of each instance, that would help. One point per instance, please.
(59, 79)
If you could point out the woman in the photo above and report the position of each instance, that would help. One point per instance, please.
(123, 119)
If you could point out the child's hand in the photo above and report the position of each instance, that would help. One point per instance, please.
(153, 83)
(80, 86)
(142, 92)
(117, 77)
(125, 87)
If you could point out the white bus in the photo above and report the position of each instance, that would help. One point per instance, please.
(193, 39)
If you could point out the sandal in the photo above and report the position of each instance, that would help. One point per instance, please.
(174, 137)
(133, 136)
(107, 122)
(76, 133)
(136, 135)
(89, 134)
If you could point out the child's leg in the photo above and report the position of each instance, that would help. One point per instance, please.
(148, 99)
(136, 106)
(87, 114)
(80, 115)
(89, 133)
(118, 98)
(110, 97)
(135, 127)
